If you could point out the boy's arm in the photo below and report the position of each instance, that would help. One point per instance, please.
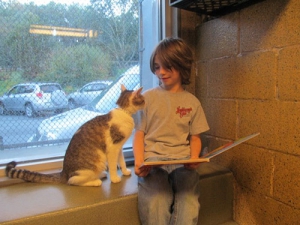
(138, 152)
(195, 146)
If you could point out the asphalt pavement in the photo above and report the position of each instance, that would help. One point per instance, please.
(17, 129)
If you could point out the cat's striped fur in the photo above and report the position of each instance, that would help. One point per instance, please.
(95, 144)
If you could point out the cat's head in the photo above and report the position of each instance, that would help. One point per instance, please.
(130, 100)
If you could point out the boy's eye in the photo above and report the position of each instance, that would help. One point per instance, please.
(156, 68)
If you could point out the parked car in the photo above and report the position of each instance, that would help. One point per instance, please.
(87, 93)
(64, 125)
(33, 98)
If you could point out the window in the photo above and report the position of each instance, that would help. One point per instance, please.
(57, 47)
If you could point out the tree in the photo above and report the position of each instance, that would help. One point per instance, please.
(118, 24)
(77, 65)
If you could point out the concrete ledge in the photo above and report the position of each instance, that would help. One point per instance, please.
(216, 199)
(32, 203)
(35, 204)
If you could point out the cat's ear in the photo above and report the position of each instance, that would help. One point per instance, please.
(138, 91)
(123, 88)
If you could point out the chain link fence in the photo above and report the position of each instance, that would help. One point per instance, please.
(61, 65)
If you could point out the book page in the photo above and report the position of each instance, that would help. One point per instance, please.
(228, 146)
(205, 158)
(182, 161)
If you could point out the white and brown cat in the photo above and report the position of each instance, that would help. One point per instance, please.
(96, 144)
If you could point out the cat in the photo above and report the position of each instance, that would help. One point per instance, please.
(96, 144)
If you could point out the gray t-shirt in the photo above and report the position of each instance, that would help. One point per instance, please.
(167, 121)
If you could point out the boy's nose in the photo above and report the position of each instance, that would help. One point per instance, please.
(161, 71)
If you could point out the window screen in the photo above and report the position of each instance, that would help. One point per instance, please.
(50, 50)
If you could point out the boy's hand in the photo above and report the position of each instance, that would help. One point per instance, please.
(191, 166)
(142, 171)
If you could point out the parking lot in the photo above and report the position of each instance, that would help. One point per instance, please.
(16, 129)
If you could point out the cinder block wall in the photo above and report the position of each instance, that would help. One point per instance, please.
(248, 80)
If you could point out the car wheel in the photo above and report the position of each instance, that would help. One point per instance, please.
(29, 111)
(71, 104)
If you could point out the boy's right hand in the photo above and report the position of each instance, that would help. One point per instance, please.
(142, 171)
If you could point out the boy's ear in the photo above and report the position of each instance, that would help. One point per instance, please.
(123, 88)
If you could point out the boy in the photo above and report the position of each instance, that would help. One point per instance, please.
(169, 128)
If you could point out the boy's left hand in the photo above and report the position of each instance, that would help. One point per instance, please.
(191, 166)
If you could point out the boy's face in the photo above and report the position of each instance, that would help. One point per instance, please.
(169, 77)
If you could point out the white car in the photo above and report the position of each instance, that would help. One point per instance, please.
(87, 93)
(63, 126)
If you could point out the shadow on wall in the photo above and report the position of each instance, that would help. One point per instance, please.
(256, 23)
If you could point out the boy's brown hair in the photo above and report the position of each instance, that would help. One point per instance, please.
(174, 53)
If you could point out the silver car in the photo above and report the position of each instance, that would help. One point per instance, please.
(87, 93)
(64, 125)
(33, 98)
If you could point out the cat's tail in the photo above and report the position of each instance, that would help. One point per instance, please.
(31, 176)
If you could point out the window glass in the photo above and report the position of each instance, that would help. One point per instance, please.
(14, 90)
(49, 51)
(87, 88)
(53, 49)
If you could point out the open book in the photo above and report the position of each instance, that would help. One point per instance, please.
(206, 157)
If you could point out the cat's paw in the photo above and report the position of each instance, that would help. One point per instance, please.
(90, 183)
(93, 183)
(115, 179)
(126, 172)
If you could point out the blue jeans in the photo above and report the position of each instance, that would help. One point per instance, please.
(169, 195)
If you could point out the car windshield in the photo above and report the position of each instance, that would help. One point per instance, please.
(107, 100)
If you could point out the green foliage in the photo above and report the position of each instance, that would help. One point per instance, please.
(71, 61)
(9, 79)
(77, 65)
